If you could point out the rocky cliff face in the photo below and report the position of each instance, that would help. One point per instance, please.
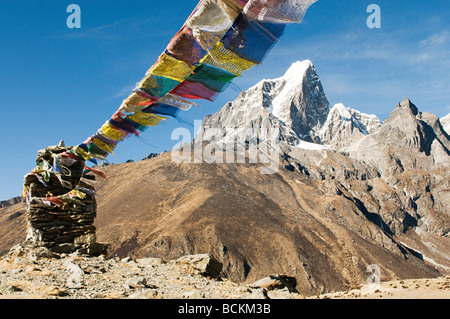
(411, 153)
(350, 192)
(418, 140)
(345, 126)
(299, 101)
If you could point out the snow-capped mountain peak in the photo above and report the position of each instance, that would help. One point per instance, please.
(343, 111)
(297, 104)
(290, 83)
(296, 69)
(298, 100)
(345, 126)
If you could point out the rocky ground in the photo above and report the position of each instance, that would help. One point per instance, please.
(427, 288)
(40, 274)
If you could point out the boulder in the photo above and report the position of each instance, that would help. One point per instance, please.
(273, 282)
(203, 264)
(137, 282)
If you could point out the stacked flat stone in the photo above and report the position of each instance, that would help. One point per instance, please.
(61, 204)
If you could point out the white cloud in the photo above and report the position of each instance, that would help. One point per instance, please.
(436, 39)
(103, 32)
(419, 58)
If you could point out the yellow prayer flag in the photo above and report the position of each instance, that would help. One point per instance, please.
(102, 145)
(82, 153)
(225, 59)
(147, 119)
(112, 132)
(171, 68)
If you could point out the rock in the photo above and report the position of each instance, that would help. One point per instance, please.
(65, 248)
(283, 294)
(259, 293)
(196, 294)
(149, 262)
(117, 280)
(137, 282)
(75, 278)
(97, 249)
(27, 255)
(85, 238)
(273, 282)
(126, 259)
(203, 264)
(14, 288)
(150, 156)
(55, 292)
(23, 261)
(270, 283)
(145, 294)
(103, 164)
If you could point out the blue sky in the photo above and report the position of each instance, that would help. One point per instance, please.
(60, 83)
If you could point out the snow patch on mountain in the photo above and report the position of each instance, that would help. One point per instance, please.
(312, 146)
(445, 121)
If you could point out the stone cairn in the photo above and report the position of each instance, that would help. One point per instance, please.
(61, 203)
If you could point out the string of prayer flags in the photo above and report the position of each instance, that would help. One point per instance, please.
(219, 41)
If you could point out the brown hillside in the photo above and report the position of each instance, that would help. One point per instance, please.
(255, 224)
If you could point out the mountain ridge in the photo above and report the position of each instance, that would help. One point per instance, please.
(297, 104)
